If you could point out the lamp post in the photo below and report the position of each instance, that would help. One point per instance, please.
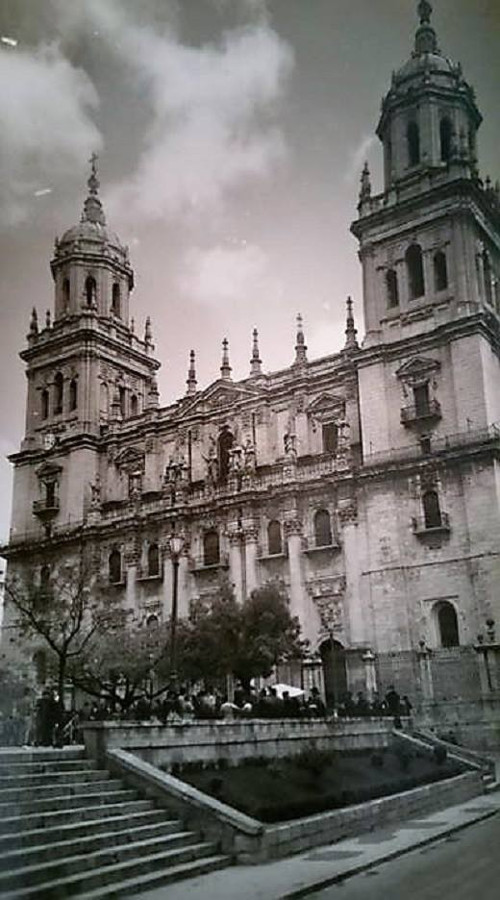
(176, 545)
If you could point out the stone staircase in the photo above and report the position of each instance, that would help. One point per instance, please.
(69, 829)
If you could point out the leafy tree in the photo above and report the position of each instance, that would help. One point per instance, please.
(269, 634)
(246, 640)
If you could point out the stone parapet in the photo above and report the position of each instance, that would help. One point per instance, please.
(233, 740)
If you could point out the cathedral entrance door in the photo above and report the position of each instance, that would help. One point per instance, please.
(334, 671)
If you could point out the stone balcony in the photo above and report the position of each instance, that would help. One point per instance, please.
(422, 526)
(415, 414)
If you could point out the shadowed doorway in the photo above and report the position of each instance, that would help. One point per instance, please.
(334, 671)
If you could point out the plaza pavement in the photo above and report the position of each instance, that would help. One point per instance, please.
(306, 873)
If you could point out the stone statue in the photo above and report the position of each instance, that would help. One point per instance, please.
(289, 441)
(95, 489)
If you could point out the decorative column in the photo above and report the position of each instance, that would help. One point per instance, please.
(489, 660)
(351, 537)
(167, 582)
(184, 584)
(130, 576)
(235, 564)
(251, 535)
(426, 680)
(293, 531)
(370, 674)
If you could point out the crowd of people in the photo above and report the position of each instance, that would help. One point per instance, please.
(390, 705)
(46, 724)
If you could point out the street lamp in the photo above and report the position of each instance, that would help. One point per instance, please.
(176, 545)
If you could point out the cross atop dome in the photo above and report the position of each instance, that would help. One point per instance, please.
(425, 12)
(425, 38)
(92, 208)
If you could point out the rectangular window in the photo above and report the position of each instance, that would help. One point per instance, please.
(330, 437)
(421, 397)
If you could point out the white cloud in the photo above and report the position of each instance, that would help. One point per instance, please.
(47, 129)
(225, 274)
(211, 108)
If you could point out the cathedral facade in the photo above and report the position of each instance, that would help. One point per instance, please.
(367, 482)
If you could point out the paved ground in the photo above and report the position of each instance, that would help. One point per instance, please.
(461, 866)
(307, 873)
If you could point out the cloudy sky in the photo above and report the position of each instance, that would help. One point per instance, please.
(231, 134)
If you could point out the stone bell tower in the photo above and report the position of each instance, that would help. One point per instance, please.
(86, 370)
(429, 245)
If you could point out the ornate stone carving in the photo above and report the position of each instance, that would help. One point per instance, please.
(347, 511)
(293, 527)
(328, 597)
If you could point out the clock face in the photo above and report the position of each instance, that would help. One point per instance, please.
(49, 440)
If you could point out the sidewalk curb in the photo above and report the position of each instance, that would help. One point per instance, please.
(326, 881)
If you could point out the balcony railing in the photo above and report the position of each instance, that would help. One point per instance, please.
(46, 509)
(312, 546)
(472, 438)
(203, 564)
(420, 412)
(423, 525)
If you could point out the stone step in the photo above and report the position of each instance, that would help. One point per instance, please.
(71, 789)
(176, 845)
(62, 802)
(100, 878)
(57, 818)
(44, 846)
(40, 767)
(157, 878)
(40, 754)
(74, 831)
(35, 779)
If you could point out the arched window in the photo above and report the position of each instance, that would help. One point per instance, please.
(58, 393)
(392, 290)
(432, 511)
(65, 293)
(134, 405)
(447, 624)
(116, 299)
(445, 133)
(211, 551)
(90, 290)
(413, 142)
(45, 404)
(226, 441)
(415, 270)
(153, 560)
(73, 394)
(440, 271)
(274, 542)
(330, 434)
(322, 528)
(115, 566)
(152, 621)
(488, 277)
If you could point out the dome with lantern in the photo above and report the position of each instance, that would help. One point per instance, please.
(91, 235)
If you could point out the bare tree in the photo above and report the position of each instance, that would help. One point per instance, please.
(61, 611)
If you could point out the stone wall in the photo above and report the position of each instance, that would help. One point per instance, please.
(234, 740)
(249, 841)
